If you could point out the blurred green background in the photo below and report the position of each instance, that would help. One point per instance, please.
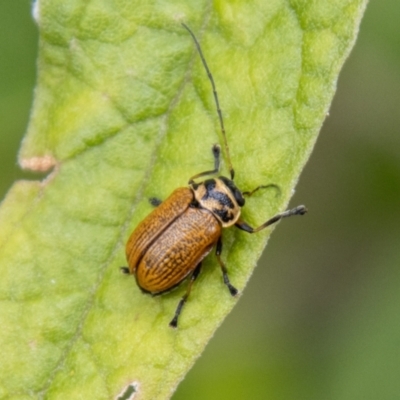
(320, 318)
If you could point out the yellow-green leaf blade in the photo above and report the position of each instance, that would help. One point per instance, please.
(124, 111)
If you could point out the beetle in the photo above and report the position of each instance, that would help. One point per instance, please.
(168, 246)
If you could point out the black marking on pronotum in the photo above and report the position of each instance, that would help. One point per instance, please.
(210, 186)
(223, 214)
(211, 193)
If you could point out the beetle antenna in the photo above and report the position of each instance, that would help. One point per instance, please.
(210, 77)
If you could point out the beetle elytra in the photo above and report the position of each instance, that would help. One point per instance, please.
(169, 245)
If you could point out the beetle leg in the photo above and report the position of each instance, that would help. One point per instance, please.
(124, 270)
(195, 274)
(299, 210)
(233, 291)
(271, 185)
(216, 150)
(154, 201)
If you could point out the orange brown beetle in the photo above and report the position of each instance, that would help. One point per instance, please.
(170, 243)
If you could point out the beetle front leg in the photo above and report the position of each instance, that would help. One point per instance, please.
(299, 210)
(195, 274)
(233, 291)
(216, 150)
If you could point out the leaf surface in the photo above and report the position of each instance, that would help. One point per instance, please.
(123, 112)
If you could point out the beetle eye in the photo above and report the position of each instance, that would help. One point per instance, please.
(239, 197)
(237, 194)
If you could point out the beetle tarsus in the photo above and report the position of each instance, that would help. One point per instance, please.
(174, 321)
(154, 201)
(125, 270)
(299, 210)
(232, 290)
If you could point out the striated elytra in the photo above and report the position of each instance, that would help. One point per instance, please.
(169, 245)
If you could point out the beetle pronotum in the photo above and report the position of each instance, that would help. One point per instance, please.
(169, 245)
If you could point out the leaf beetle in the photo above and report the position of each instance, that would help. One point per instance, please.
(169, 245)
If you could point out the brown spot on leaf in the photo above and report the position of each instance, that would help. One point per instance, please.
(40, 164)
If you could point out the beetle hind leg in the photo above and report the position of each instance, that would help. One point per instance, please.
(232, 290)
(195, 274)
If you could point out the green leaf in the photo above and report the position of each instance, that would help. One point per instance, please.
(123, 112)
